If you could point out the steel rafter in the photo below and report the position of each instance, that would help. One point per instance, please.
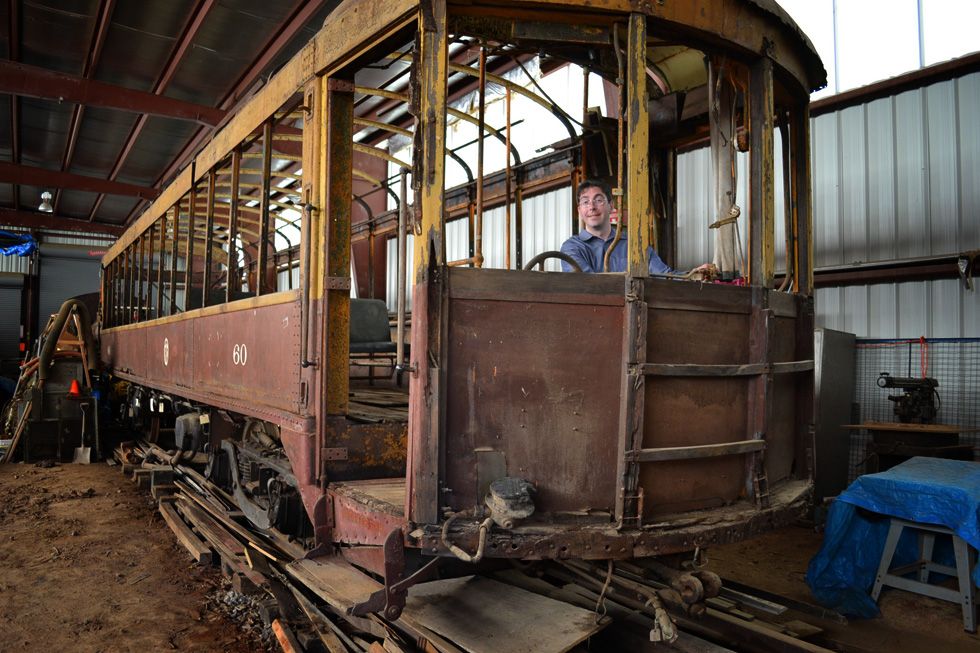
(302, 11)
(33, 176)
(187, 36)
(32, 220)
(31, 81)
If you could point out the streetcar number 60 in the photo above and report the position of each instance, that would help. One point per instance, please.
(239, 354)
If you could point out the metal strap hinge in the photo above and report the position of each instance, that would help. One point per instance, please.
(338, 283)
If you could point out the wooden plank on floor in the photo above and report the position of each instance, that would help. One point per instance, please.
(200, 552)
(482, 615)
(334, 580)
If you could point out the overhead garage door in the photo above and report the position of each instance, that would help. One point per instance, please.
(10, 288)
(65, 272)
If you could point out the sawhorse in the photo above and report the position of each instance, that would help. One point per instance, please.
(965, 561)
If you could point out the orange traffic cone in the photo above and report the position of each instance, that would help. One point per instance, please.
(74, 392)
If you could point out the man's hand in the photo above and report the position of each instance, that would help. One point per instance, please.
(705, 272)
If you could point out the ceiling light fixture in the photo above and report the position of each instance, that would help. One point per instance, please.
(46, 203)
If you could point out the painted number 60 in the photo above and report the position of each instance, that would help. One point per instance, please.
(239, 354)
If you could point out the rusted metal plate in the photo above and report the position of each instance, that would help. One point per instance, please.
(538, 382)
(371, 451)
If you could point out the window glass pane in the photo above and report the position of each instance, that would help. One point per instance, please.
(950, 29)
(876, 39)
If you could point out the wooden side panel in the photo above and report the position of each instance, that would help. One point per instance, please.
(782, 437)
(685, 411)
(690, 326)
(538, 383)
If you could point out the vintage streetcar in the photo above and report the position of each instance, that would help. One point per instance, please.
(514, 413)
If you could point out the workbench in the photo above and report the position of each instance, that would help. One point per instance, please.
(895, 442)
(910, 508)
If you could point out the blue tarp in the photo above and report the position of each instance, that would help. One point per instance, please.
(924, 490)
(17, 244)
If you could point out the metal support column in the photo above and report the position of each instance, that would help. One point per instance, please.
(761, 187)
(338, 129)
(637, 205)
(426, 413)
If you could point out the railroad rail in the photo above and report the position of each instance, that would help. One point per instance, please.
(639, 605)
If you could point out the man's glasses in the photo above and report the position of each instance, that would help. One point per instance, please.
(598, 200)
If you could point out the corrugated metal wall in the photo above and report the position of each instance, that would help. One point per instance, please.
(936, 309)
(14, 264)
(65, 272)
(895, 178)
(10, 292)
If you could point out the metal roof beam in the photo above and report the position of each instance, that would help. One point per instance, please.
(30, 220)
(31, 81)
(31, 176)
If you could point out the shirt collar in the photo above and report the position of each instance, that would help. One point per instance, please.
(585, 236)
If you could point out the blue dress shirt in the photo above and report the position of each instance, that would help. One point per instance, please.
(589, 252)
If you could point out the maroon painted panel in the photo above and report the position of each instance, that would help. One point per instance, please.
(540, 383)
(125, 351)
(251, 354)
(169, 352)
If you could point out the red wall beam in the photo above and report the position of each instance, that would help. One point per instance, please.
(31, 81)
(14, 218)
(31, 176)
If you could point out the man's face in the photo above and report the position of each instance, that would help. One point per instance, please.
(594, 209)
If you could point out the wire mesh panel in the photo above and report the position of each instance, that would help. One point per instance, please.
(953, 362)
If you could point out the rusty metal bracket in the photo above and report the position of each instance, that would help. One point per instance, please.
(342, 85)
(334, 453)
(390, 601)
(323, 523)
(338, 283)
(964, 265)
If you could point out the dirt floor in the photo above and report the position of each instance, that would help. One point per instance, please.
(908, 623)
(87, 564)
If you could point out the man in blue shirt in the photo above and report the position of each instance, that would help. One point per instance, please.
(588, 247)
